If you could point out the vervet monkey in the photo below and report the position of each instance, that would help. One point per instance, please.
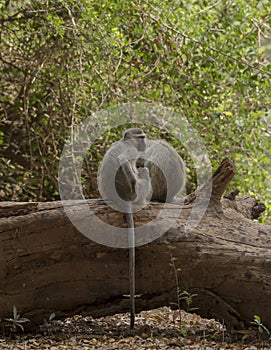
(144, 170)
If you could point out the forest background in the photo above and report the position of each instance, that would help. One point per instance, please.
(63, 60)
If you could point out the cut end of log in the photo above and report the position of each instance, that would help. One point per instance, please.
(217, 184)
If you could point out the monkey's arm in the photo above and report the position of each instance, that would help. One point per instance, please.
(128, 171)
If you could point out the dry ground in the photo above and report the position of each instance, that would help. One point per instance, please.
(155, 329)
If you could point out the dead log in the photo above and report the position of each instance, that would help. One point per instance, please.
(46, 265)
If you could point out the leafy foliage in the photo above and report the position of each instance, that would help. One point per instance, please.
(63, 60)
(261, 327)
(50, 326)
(16, 322)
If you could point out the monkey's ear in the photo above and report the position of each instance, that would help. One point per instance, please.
(125, 135)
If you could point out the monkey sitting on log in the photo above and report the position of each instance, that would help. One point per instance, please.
(166, 169)
(132, 172)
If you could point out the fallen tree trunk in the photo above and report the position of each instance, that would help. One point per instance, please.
(46, 265)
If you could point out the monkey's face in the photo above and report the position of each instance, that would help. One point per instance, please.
(141, 143)
(136, 137)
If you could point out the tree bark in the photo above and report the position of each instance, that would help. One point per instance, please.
(47, 266)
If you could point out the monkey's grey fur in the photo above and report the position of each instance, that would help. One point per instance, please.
(167, 170)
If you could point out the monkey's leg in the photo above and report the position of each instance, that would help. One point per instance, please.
(128, 172)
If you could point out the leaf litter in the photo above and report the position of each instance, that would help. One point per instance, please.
(161, 328)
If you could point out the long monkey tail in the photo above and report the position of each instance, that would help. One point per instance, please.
(131, 244)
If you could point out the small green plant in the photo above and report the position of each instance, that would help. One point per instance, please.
(188, 298)
(49, 327)
(181, 294)
(182, 331)
(261, 327)
(16, 322)
(176, 270)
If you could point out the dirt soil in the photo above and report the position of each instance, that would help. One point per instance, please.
(161, 328)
